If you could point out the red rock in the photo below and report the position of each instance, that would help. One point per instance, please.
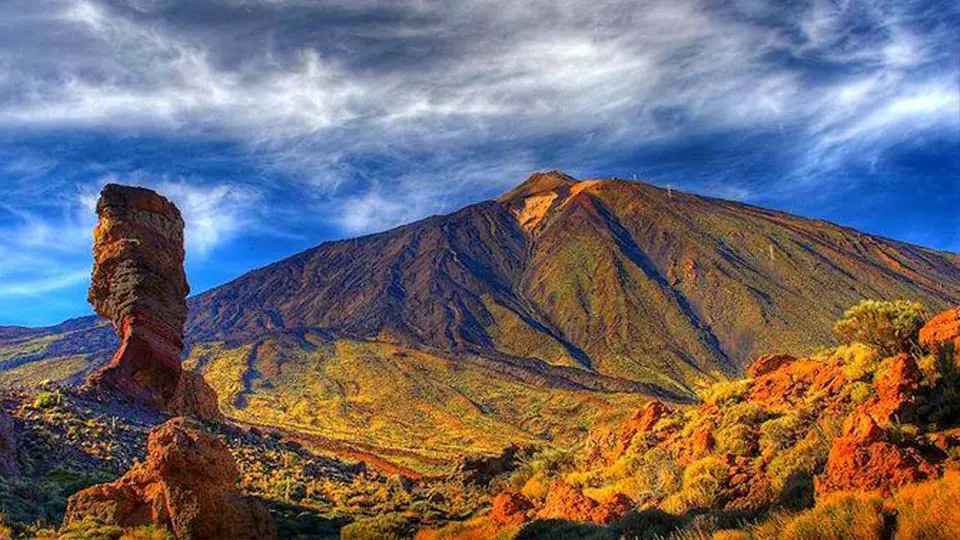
(567, 502)
(702, 442)
(862, 460)
(644, 420)
(942, 328)
(194, 397)
(896, 386)
(766, 364)
(140, 285)
(188, 485)
(510, 509)
(612, 510)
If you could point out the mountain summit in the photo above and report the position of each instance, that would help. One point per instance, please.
(578, 289)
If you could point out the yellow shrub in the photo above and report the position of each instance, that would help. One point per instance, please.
(791, 472)
(737, 439)
(727, 392)
(842, 516)
(889, 327)
(702, 481)
(779, 433)
(859, 361)
(535, 488)
(929, 509)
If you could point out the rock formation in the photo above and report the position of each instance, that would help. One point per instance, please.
(140, 285)
(941, 329)
(188, 485)
(481, 470)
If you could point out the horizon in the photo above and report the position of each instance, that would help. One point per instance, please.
(276, 128)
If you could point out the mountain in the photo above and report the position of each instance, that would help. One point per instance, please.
(523, 318)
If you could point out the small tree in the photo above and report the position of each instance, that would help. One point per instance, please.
(889, 327)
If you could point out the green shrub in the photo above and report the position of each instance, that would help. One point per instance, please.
(89, 530)
(780, 433)
(702, 481)
(738, 439)
(386, 527)
(748, 413)
(727, 392)
(791, 472)
(46, 400)
(889, 327)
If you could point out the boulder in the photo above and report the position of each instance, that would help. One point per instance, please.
(897, 384)
(767, 364)
(188, 485)
(567, 502)
(510, 508)
(642, 421)
(941, 329)
(194, 397)
(863, 460)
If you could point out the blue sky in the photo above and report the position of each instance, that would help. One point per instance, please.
(276, 125)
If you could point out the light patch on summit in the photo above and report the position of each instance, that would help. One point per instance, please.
(534, 210)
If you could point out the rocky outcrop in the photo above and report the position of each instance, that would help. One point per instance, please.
(188, 485)
(8, 446)
(897, 385)
(140, 285)
(862, 459)
(643, 420)
(569, 503)
(767, 364)
(481, 470)
(941, 329)
(510, 508)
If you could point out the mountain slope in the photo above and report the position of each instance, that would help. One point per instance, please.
(588, 291)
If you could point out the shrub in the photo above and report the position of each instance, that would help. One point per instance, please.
(45, 400)
(147, 532)
(738, 439)
(842, 516)
(791, 472)
(89, 530)
(727, 392)
(702, 481)
(859, 361)
(860, 392)
(750, 414)
(928, 509)
(386, 527)
(779, 433)
(889, 327)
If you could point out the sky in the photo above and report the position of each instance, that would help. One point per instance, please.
(277, 125)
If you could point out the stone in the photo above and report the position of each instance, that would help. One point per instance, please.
(510, 508)
(188, 485)
(769, 363)
(139, 284)
(943, 328)
(897, 384)
(481, 470)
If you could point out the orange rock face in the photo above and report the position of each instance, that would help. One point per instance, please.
(188, 484)
(510, 509)
(943, 328)
(140, 285)
(567, 502)
(863, 460)
(896, 386)
(642, 421)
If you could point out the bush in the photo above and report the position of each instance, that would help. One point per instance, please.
(727, 392)
(791, 472)
(860, 392)
(702, 481)
(842, 516)
(859, 361)
(780, 433)
(738, 439)
(386, 527)
(928, 509)
(46, 400)
(889, 327)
